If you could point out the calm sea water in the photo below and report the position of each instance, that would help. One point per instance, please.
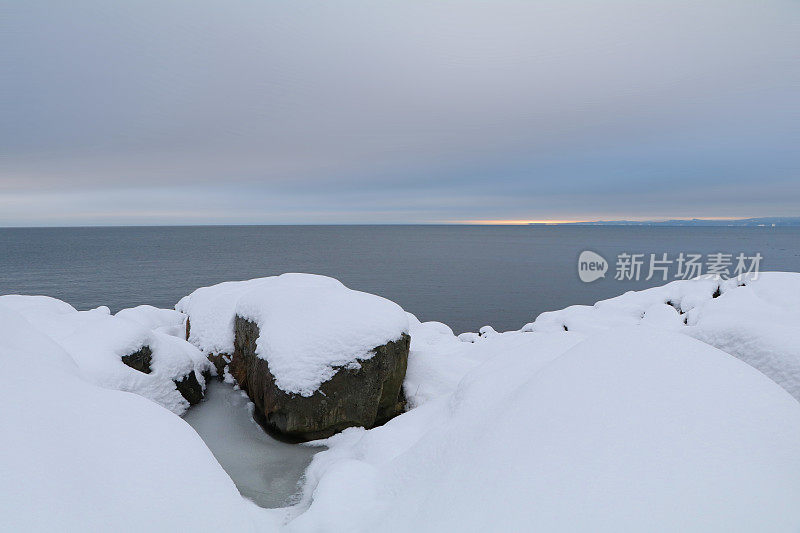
(465, 276)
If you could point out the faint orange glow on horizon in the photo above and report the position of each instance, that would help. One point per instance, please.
(515, 222)
(587, 221)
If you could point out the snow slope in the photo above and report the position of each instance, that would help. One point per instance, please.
(78, 457)
(97, 341)
(167, 321)
(756, 320)
(438, 361)
(309, 325)
(622, 416)
(633, 429)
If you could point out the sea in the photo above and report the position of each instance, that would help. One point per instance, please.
(464, 276)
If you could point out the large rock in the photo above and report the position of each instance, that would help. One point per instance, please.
(315, 356)
(365, 394)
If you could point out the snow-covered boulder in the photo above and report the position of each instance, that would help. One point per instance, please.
(756, 320)
(364, 392)
(86, 458)
(167, 321)
(314, 356)
(632, 429)
(120, 354)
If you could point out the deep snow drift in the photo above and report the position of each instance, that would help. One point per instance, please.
(626, 415)
(78, 457)
(96, 342)
(635, 430)
(756, 320)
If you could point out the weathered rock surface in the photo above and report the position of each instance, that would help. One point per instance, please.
(220, 361)
(364, 395)
(188, 385)
(190, 388)
(140, 360)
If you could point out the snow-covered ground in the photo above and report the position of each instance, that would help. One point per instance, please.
(755, 320)
(645, 412)
(79, 457)
(634, 429)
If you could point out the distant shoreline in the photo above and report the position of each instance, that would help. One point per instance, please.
(698, 222)
(734, 222)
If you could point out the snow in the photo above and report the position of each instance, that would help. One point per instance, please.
(35, 304)
(657, 410)
(211, 311)
(754, 318)
(96, 341)
(309, 325)
(438, 360)
(78, 457)
(632, 429)
(435, 363)
(167, 321)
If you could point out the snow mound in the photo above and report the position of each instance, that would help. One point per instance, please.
(35, 304)
(212, 310)
(622, 416)
(755, 320)
(438, 360)
(96, 341)
(167, 321)
(309, 325)
(634, 429)
(77, 457)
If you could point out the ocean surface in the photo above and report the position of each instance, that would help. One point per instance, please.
(465, 276)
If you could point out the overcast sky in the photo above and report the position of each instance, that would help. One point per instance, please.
(246, 111)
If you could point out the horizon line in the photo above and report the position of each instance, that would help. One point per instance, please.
(472, 222)
(642, 220)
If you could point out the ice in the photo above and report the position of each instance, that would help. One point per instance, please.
(264, 469)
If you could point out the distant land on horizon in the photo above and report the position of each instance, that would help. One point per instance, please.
(733, 222)
(761, 221)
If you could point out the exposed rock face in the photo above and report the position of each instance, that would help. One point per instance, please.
(220, 361)
(365, 396)
(139, 360)
(190, 388)
(188, 385)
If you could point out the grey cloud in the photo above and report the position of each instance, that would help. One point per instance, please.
(318, 112)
